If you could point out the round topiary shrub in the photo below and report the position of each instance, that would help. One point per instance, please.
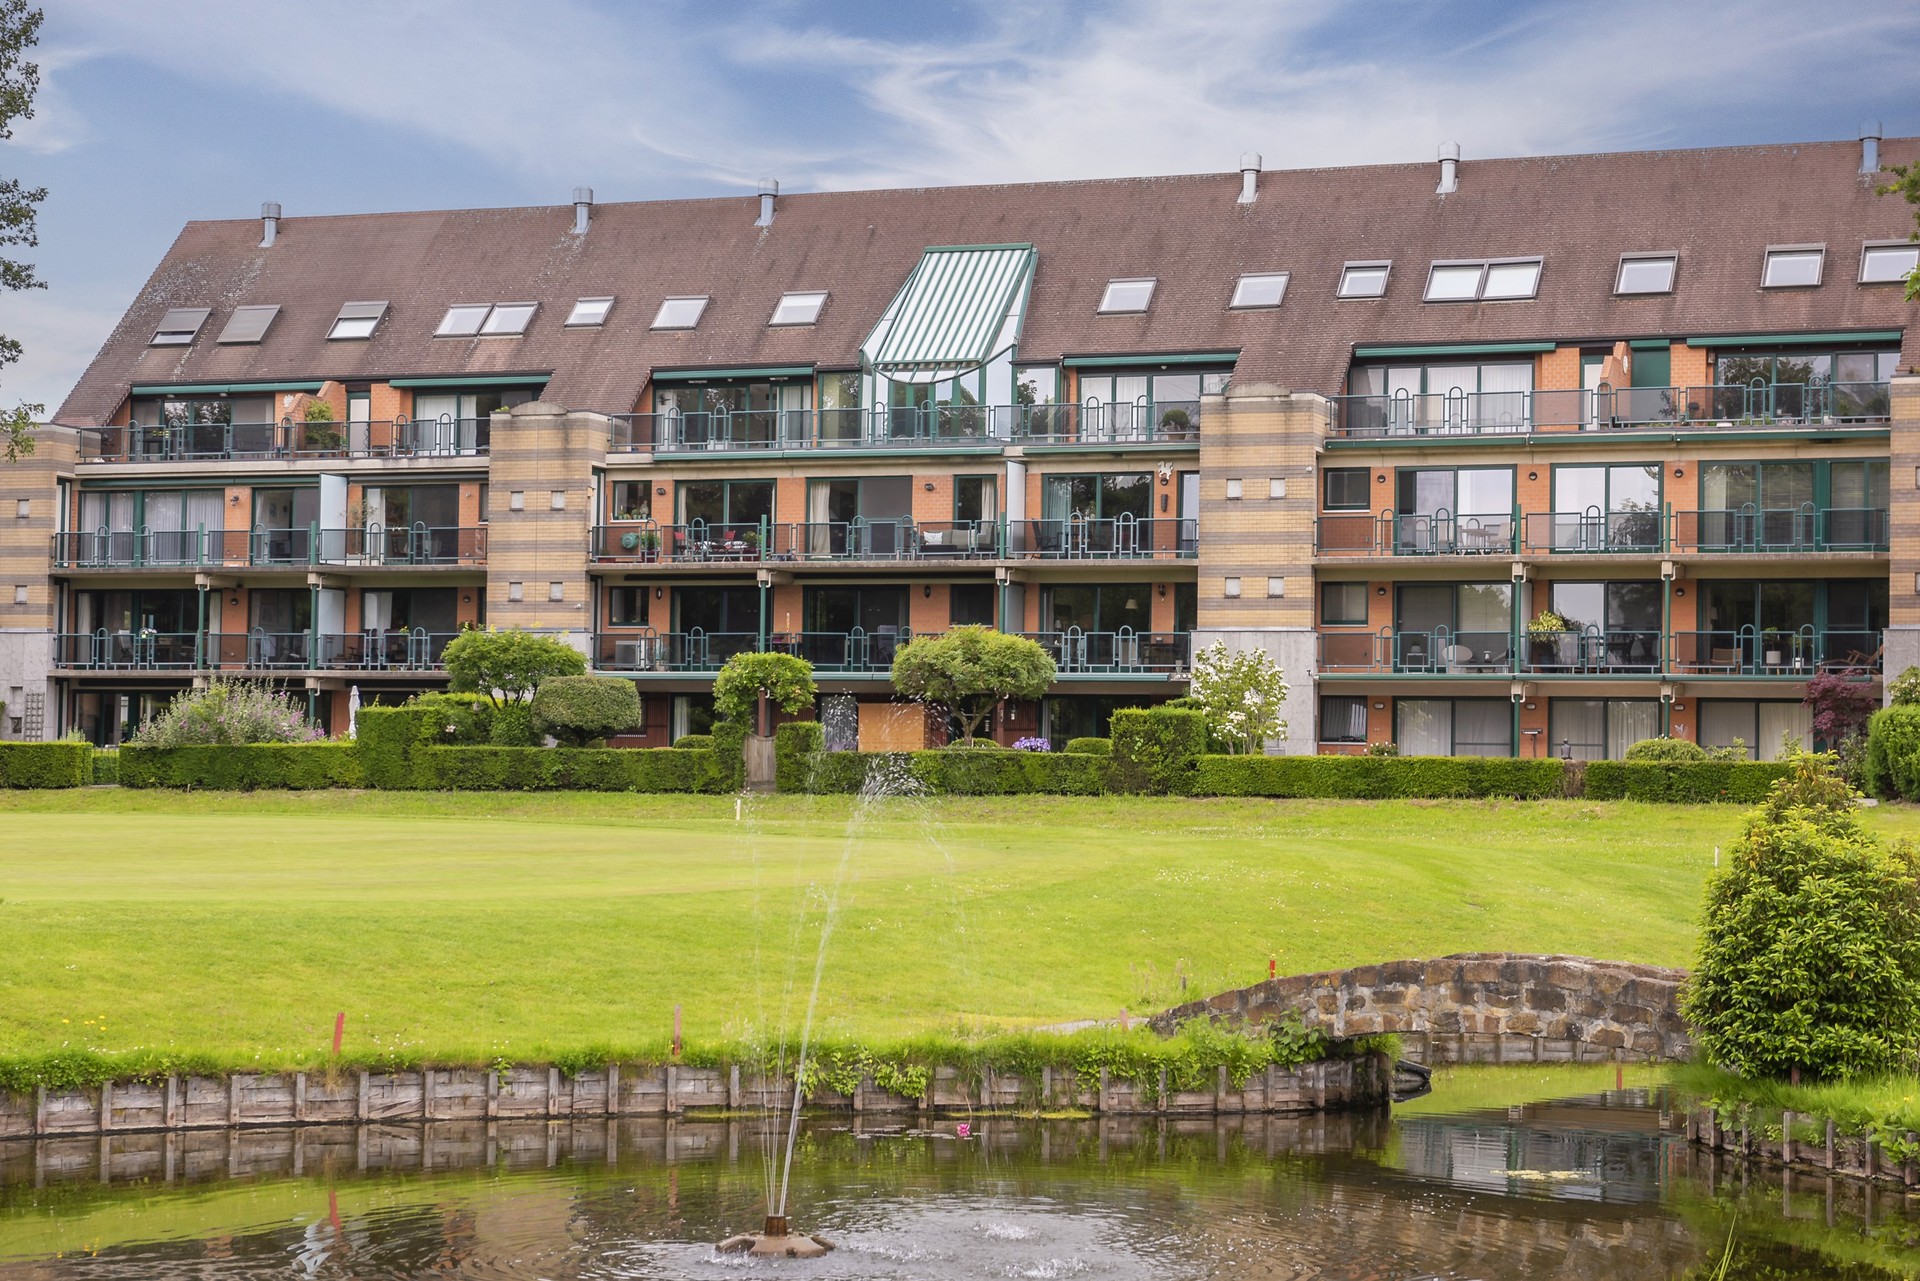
(579, 710)
(1090, 746)
(703, 741)
(1666, 749)
(1810, 944)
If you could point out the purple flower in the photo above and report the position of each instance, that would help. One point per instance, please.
(1032, 745)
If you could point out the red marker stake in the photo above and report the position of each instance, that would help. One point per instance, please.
(1273, 968)
(676, 1031)
(339, 1030)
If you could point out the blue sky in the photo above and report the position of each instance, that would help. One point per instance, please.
(154, 112)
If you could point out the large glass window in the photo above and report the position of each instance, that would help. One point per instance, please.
(1343, 604)
(839, 408)
(735, 414)
(1099, 607)
(283, 521)
(1612, 625)
(1345, 488)
(972, 604)
(1104, 497)
(1603, 508)
(630, 500)
(852, 627)
(739, 503)
(1456, 627)
(1760, 727)
(859, 516)
(1592, 729)
(1453, 727)
(627, 606)
(1447, 510)
(1343, 718)
(729, 610)
(1146, 405)
(976, 498)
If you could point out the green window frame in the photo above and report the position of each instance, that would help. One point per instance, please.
(743, 513)
(1343, 604)
(1344, 479)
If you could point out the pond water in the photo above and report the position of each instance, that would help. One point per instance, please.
(1584, 1187)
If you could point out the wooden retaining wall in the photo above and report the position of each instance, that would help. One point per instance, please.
(457, 1094)
(1849, 1156)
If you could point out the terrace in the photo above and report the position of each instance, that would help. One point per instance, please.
(398, 650)
(1598, 653)
(1076, 653)
(1713, 407)
(286, 440)
(896, 539)
(1746, 529)
(368, 547)
(943, 427)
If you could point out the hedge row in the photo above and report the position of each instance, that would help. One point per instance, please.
(1378, 777)
(294, 766)
(1682, 782)
(589, 769)
(46, 764)
(801, 766)
(1893, 753)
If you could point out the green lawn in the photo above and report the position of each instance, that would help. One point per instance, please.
(480, 925)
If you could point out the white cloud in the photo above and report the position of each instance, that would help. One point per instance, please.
(57, 123)
(61, 331)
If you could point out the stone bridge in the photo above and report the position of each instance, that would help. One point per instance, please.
(1477, 1007)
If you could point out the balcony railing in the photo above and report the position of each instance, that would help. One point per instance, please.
(908, 427)
(1796, 654)
(896, 539)
(698, 651)
(1640, 530)
(1098, 537)
(375, 545)
(1598, 652)
(1117, 653)
(1592, 651)
(1708, 407)
(286, 439)
(257, 650)
(1592, 531)
(1793, 529)
(1440, 533)
(1429, 651)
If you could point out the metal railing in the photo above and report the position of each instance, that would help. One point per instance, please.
(1705, 407)
(388, 650)
(1429, 651)
(374, 545)
(1777, 529)
(1642, 531)
(1593, 651)
(212, 442)
(141, 650)
(1099, 537)
(1794, 654)
(1097, 653)
(1440, 533)
(897, 539)
(907, 427)
(1592, 530)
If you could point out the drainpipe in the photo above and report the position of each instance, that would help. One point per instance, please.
(313, 624)
(200, 631)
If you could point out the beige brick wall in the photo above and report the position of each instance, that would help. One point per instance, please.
(1257, 435)
(539, 449)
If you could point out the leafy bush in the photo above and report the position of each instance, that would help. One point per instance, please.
(1154, 748)
(1904, 689)
(598, 769)
(1840, 706)
(702, 741)
(387, 737)
(969, 671)
(1090, 746)
(730, 754)
(46, 764)
(1893, 751)
(1378, 777)
(227, 712)
(1666, 749)
(795, 745)
(458, 720)
(582, 710)
(243, 767)
(1380, 749)
(785, 680)
(1694, 782)
(106, 767)
(507, 665)
(1241, 692)
(1810, 941)
(513, 726)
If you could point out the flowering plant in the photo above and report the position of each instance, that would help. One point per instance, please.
(227, 712)
(1032, 745)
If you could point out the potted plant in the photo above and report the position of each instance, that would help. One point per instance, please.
(649, 544)
(1772, 643)
(1550, 639)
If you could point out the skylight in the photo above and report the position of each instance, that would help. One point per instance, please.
(588, 312)
(248, 324)
(509, 318)
(462, 320)
(1127, 295)
(1500, 278)
(1645, 274)
(357, 320)
(680, 313)
(799, 308)
(1364, 279)
(178, 327)
(1259, 289)
(1790, 266)
(1886, 264)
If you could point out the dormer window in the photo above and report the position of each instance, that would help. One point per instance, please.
(1259, 289)
(680, 313)
(799, 308)
(248, 324)
(589, 312)
(1124, 296)
(357, 320)
(1645, 274)
(1793, 266)
(178, 327)
(1888, 263)
(1492, 280)
(1364, 279)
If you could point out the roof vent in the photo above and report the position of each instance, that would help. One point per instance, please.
(1870, 147)
(768, 190)
(1449, 169)
(1249, 176)
(269, 222)
(582, 209)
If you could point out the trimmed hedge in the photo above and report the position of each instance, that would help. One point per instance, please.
(795, 745)
(1893, 752)
(1378, 777)
(1683, 782)
(106, 766)
(800, 765)
(243, 768)
(581, 711)
(1090, 746)
(588, 769)
(693, 740)
(385, 737)
(46, 764)
(1154, 748)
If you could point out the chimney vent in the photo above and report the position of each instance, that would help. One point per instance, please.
(269, 222)
(582, 209)
(1249, 177)
(768, 190)
(1870, 147)
(1449, 169)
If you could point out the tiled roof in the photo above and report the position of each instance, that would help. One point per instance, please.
(1719, 208)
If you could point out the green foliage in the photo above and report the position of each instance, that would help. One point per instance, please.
(535, 769)
(106, 766)
(1378, 777)
(1090, 746)
(1241, 693)
(507, 665)
(730, 754)
(795, 744)
(582, 710)
(703, 741)
(1809, 953)
(46, 764)
(1010, 773)
(243, 767)
(227, 712)
(1699, 782)
(1906, 184)
(1666, 749)
(1904, 689)
(1155, 748)
(461, 720)
(1547, 623)
(1893, 751)
(19, 79)
(786, 680)
(969, 671)
(513, 727)
(386, 737)
(1380, 749)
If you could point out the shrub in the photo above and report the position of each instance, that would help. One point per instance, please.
(1378, 777)
(1810, 941)
(969, 671)
(1682, 782)
(795, 745)
(1666, 749)
(1904, 689)
(785, 680)
(1090, 746)
(387, 737)
(513, 727)
(582, 710)
(1840, 705)
(227, 712)
(1155, 748)
(507, 665)
(1380, 749)
(1893, 751)
(243, 767)
(46, 764)
(1009, 773)
(730, 754)
(458, 719)
(106, 767)
(1241, 692)
(598, 769)
(702, 741)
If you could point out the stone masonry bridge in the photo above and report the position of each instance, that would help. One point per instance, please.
(1477, 1007)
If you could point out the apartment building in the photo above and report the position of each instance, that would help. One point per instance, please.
(1525, 457)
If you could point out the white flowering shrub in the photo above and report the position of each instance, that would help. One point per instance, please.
(1241, 693)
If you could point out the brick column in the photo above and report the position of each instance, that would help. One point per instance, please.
(26, 545)
(540, 451)
(1903, 504)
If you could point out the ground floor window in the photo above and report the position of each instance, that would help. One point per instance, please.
(1592, 729)
(1453, 726)
(1068, 716)
(1343, 718)
(1761, 727)
(692, 714)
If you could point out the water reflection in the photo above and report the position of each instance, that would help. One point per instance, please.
(1586, 1188)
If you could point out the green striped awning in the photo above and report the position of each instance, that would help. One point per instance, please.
(962, 306)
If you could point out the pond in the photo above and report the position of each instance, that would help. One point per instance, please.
(1588, 1186)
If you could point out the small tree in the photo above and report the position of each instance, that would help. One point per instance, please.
(581, 710)
(1906, 185)
(969, 670)
(227, 713)
(787, 682)
(506, 666)
(1840, 707)
(1810, 944)
(1241, 692)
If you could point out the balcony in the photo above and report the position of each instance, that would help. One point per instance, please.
(286, 440)
(700, 652)
(1438, 534)
(1748, 530)
(255, 651)
(957, 427)
(896, 540)
(1794, 655)
(1757, 406)
(371, 547)
(1594, 653)
(1436, 651)
(1122, 653)
(1757, 530)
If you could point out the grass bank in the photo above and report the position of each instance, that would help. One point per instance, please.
(478, 926)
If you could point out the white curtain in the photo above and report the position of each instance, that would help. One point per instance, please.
(1777, 719)
(1483, 727)
(1578, 725)
(1722, 721)
(1425, 726)
(1628, 722)
(206, 509)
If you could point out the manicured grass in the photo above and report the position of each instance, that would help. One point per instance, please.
(481, 925)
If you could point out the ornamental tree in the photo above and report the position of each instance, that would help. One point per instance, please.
(506, 666)
(1241, 692)
(19, 79)
(968, 671)
(581, 710)
(787, 682)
